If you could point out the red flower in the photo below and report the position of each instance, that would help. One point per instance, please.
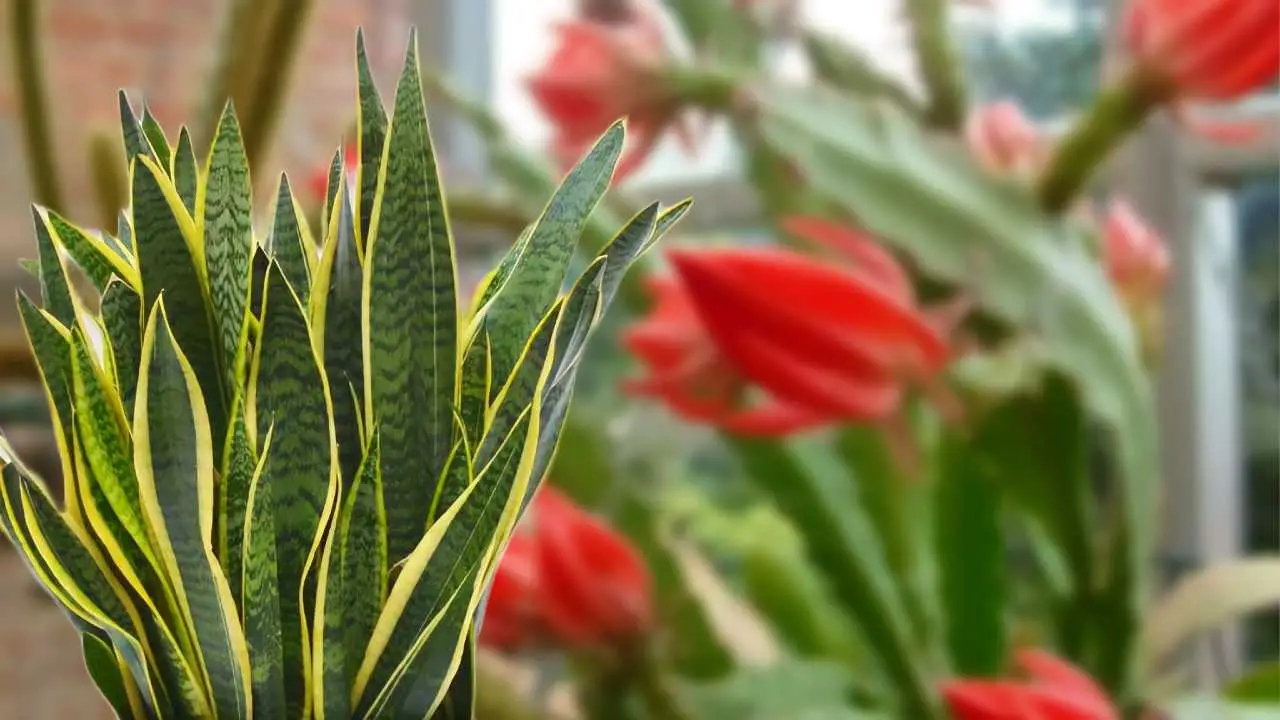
(1003, 139)
(1055, 690)
(1135, 254)
(600, 72)
(567, 580)
(1213, 50)
(825, 343)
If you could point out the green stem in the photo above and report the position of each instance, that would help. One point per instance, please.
(940, 64)
(714, 89)
(655, 687)
(1114, 115)
(111, 185)
(237, 66)
(497, 700)
(24, 34)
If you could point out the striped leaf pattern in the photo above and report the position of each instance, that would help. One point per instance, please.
(289, 475)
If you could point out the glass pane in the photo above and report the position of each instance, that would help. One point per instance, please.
(1258, 217)
(1046, 54)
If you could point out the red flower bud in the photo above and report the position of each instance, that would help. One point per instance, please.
(1054, 690)
(568, 580)
(1004, 140)
(1135, 254)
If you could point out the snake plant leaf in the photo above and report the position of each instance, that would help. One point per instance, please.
(352, 588)
(332, 186)
(156, 140)
(55, 287)
(523, 389)
(262, 597)
(224, 209)
(50, 344)
(109, 675)
(338, 321)
(438, 571)
(371, 138)
(99, 259)
(410, 316)
(136, 143)
(173, 456)
(186, 171)
(121, 312)
(238, 464)
(476, 380)
(288, 390)
(437, 656)
(108, 451)
(288, 244)
(810, 486)
(124, 233)
(169, 260)
(536, 278)
(58, 553)
(459, 701)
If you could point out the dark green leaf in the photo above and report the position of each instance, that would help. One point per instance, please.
(99, 259)
(175, 468)
(371, 139)
(342, 276)
(156, 139)
(55, 287)
(228, 238)
(100, 661)
(135, 141)
(121, 311)
(167, 265)
(288, 245)
(186, 172)
(289, 392)
(263, 627)
(236, 469)
(411, 321)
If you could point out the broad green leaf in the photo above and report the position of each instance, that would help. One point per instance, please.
(288, 245)
(186, 171)
(901, 508)
(812, 489)
(1021, 267)
(439, 568)
(410, 317)
(156, 139)
(288, 389)
(238, 463)
(99, 260)
(121, 311)
(340, 274)
(135, 141)
(353, 589)
(1207, 599)
(371, 137)
(55, 287)
(793, 689)
(224, 209)
(971, 561)
(536, 278)
(1204, 707)
(173, 455)
(108, 675)
(1258, 685)
(523, 389)
(1039, 444)
(262, 593)
(169, 264)
(783, 588)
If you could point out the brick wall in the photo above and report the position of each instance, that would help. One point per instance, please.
(163, 50)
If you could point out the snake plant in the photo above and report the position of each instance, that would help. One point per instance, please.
(292, 461)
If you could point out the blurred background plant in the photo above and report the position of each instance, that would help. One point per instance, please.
(893, 448)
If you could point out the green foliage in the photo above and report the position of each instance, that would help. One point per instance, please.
(282, 497)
